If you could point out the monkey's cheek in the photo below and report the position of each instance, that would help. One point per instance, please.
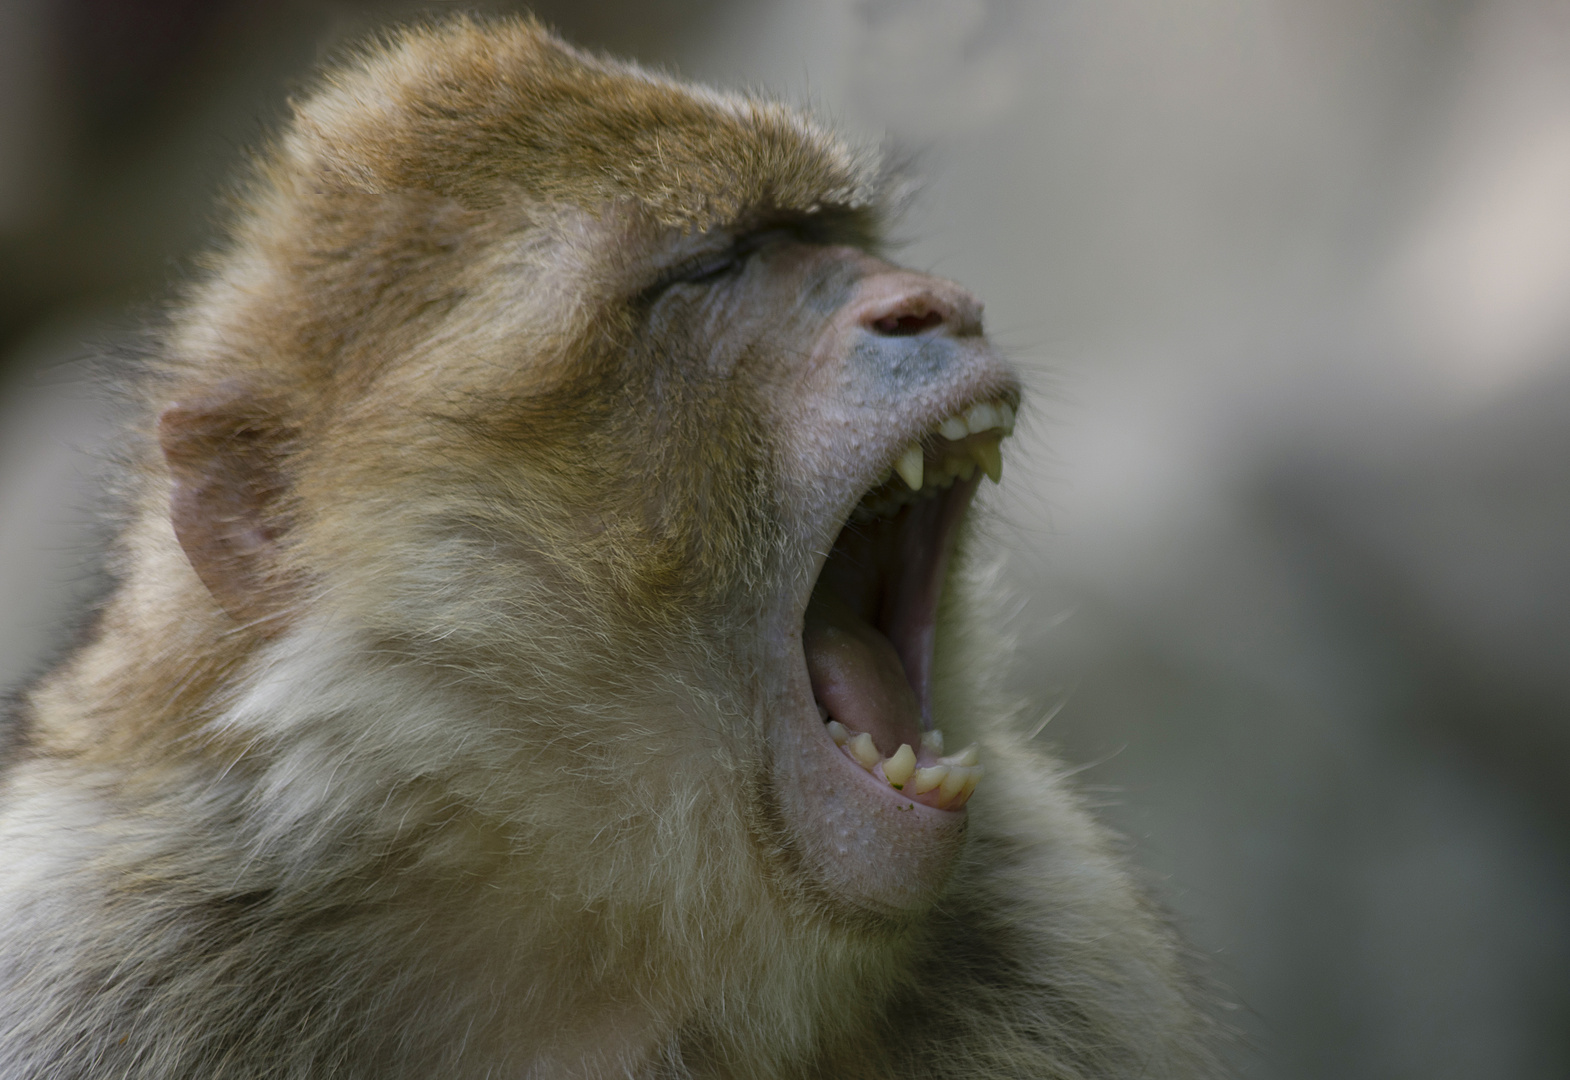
(857, 839)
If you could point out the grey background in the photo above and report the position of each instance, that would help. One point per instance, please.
(1287, 518)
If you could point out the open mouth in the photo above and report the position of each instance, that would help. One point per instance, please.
(870, 624)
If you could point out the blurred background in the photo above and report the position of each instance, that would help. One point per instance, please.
(1289, 516)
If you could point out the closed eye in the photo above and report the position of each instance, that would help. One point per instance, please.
(702, 269)
(708, 267)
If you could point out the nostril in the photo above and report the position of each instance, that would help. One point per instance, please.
(906, 325)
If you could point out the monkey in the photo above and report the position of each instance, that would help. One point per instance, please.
(544, 592)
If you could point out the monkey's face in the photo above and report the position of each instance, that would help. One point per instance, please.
(862, 405)
(701, 487)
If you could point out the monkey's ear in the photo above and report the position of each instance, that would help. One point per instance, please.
(226, 455)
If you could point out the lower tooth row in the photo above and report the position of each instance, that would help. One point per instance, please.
(954, 777)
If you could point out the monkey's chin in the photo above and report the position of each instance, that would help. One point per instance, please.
(881, 808)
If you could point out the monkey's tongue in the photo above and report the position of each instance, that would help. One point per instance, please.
(869, 628)
(857, 676)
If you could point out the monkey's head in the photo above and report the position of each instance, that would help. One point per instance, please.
(560, 426)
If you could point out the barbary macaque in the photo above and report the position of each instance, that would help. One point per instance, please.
(546, 640)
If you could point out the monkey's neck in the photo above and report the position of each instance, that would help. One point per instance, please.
(595, 905)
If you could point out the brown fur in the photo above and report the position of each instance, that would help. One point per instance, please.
(421, 736)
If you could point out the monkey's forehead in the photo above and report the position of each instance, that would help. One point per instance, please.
(496, 111)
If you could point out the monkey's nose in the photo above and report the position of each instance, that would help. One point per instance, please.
(904, 304)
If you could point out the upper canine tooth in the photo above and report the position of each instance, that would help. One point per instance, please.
(909, 466)
(982, 417)
(990, 458)
(954, 428)
(1006, 415)
(932, 740)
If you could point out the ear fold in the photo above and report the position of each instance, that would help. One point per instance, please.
(226, 455)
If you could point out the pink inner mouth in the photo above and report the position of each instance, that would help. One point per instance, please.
(869, 628)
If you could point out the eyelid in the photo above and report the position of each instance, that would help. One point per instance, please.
(707, 264)
(697, 266)
(712, 263)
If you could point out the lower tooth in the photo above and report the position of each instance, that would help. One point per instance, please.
(968, 756)
(924, 780)
(898, 768)
(838, 732)
(953, 782)
(863, 751)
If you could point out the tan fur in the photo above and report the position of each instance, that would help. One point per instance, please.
(455, 768)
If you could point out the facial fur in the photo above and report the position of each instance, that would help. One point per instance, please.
(520, 490)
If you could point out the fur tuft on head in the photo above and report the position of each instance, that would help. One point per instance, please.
(481, 111)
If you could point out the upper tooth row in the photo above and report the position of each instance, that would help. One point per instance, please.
(978, 418)
(986, 417)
